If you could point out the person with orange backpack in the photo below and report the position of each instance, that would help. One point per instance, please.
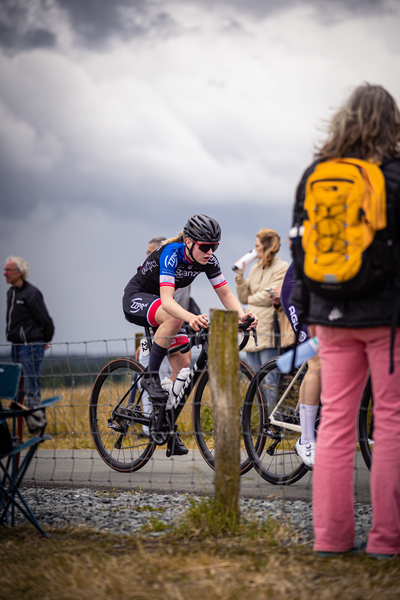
(346, 240)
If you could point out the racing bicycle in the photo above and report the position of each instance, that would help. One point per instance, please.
(275, 459)
(117, 415)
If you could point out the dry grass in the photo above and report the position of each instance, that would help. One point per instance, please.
(68, 421)
(83, 564)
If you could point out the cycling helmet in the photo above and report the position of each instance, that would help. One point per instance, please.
(203, 229)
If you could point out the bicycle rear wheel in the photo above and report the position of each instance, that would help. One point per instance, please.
(120, 442)
(366, 425)
(278, 462)
(203, 421)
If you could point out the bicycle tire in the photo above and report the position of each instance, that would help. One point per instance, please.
(278, 462)
(113, 383)
(203, 422)
(366, 424)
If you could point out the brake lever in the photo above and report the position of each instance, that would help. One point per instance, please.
(195, 336)
(245, 328)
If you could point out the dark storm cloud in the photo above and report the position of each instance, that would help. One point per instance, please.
(15, 35)
(35, 38)
(325, 10)
(96, 21)
(93, 22)
(61, 181)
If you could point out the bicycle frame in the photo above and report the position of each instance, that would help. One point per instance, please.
(200, 338)
(284, 424)
(190, 383)
(182, 397)
(119, 410)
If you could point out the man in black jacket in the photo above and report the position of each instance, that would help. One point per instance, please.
(29, 327)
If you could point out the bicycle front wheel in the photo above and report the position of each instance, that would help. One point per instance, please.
(121, 443)
(278, 462)
(366, 425)
(203, 420)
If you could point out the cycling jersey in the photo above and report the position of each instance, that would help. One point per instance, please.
(168, 266)
(165, 266)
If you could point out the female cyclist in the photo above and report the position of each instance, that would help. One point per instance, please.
(149, 298)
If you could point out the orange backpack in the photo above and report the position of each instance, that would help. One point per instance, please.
(345, 202)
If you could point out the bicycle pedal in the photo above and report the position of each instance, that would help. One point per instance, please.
(271, 450)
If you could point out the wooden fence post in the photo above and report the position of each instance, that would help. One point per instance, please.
(223, 366)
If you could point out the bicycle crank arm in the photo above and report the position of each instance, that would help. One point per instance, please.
(118, 443)
(271, 449)
(160, 426)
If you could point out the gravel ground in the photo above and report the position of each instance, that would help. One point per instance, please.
(128, 512)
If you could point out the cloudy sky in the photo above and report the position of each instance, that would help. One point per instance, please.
(120, 118)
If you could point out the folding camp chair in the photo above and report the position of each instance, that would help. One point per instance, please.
(12, 469)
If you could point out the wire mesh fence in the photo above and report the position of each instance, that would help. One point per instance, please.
(70, 459)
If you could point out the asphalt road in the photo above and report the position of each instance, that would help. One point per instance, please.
(85, 468)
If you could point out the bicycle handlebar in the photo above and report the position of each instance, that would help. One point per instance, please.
(197, 338)
(244, 327)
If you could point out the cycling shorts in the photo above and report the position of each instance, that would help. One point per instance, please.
(141, 310)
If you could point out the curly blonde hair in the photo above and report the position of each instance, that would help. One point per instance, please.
(367, 126)
(271, 242)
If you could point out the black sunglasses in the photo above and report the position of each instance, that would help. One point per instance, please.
(206, 247)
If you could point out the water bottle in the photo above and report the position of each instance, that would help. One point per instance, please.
(304, 351)
(178, 384)
(245, 260)
(166, 383)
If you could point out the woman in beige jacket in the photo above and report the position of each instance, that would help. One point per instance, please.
(268, 273)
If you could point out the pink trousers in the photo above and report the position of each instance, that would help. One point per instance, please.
(346, 357)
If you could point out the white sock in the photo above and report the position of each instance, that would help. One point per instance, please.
(308, 414)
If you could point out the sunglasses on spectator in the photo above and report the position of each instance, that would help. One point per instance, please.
(206, 247)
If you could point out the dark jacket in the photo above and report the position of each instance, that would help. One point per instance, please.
(27, 316)
(372, 310)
